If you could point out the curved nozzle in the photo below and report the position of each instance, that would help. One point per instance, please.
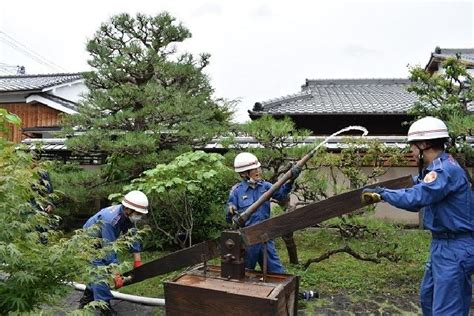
(345, 129)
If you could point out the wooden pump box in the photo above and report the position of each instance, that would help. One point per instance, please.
(199, 293)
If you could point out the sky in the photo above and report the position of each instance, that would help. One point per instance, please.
(260, 49)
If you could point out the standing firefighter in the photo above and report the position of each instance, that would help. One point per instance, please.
(443, 191)
(244, 194)
(113, 221)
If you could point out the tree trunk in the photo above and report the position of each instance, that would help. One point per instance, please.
(288, 238)
(291, 248)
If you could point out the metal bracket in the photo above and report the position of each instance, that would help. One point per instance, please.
(232, 255)
(264, 238)
(204, 263)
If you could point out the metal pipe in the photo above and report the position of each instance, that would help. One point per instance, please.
(128, 297)
(240, 220)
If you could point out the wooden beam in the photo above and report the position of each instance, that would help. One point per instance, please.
(313, 214)
(201, 252)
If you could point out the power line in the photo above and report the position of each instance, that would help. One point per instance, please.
(6, 72)
(32, 55)
(31, 51)
(18, 48)
(9, 69)
(10, 41)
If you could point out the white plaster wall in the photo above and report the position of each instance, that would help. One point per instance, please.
(390, 213)
(384, 210)
(72, 92)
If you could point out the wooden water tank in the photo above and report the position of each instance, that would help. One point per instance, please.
(199, 293)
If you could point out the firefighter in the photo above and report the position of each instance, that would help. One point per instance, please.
(44, 188)
(443, 191)
(244, 194)
(113, 221)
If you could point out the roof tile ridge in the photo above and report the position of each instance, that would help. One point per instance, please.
(356, 81)
(456, 50)
(63, 74)
(291, 97)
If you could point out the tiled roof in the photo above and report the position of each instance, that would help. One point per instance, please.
(466, 55)
(45, 144)
(344, 96)
(35, 82)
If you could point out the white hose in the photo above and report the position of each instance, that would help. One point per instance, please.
(128, 297)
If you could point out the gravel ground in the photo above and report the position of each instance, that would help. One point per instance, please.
(329, 305)
(344, 305)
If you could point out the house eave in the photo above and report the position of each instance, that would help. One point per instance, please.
(55, 105)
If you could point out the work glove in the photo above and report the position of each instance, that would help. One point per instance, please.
(137, 263)
(118, 281)
(232, 209)
(371, 195)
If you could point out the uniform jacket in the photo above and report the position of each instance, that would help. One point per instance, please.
(242, 196)
(113, 222)
(444, 194)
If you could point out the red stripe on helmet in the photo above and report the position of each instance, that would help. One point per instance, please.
(134, 204)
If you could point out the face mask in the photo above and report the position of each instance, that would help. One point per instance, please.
(135, 218)
(251, 181)
(255, 179)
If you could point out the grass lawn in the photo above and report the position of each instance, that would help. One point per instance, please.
(344, 283)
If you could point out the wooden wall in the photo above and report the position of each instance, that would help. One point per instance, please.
(31, 115)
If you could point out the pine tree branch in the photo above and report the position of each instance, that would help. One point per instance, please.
(353, 253)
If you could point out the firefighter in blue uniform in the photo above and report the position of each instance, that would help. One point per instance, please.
(244, 194)
(114, 221)
(44, 204)
(443, 190)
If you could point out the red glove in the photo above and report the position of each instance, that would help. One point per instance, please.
(137, 263)
(118, 281)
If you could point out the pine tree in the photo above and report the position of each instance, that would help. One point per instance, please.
(144, 99)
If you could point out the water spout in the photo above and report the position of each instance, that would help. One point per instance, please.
(345, 129)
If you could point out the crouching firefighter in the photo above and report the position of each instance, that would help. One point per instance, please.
(443, 191)
(244, 194)
(114, 221)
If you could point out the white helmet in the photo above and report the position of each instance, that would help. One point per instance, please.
(427, 128)
(245, 161)
(137, 201)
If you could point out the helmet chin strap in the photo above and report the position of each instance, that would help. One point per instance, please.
(421, 161)
(249, 179)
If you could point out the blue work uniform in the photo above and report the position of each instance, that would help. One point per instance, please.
(113, 223)
(44, 188)
(241, 197)
(445, 196)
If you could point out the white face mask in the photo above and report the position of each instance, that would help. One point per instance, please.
(253, 181)
(134, 218)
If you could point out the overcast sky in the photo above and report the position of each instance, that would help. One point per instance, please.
(260, 49)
